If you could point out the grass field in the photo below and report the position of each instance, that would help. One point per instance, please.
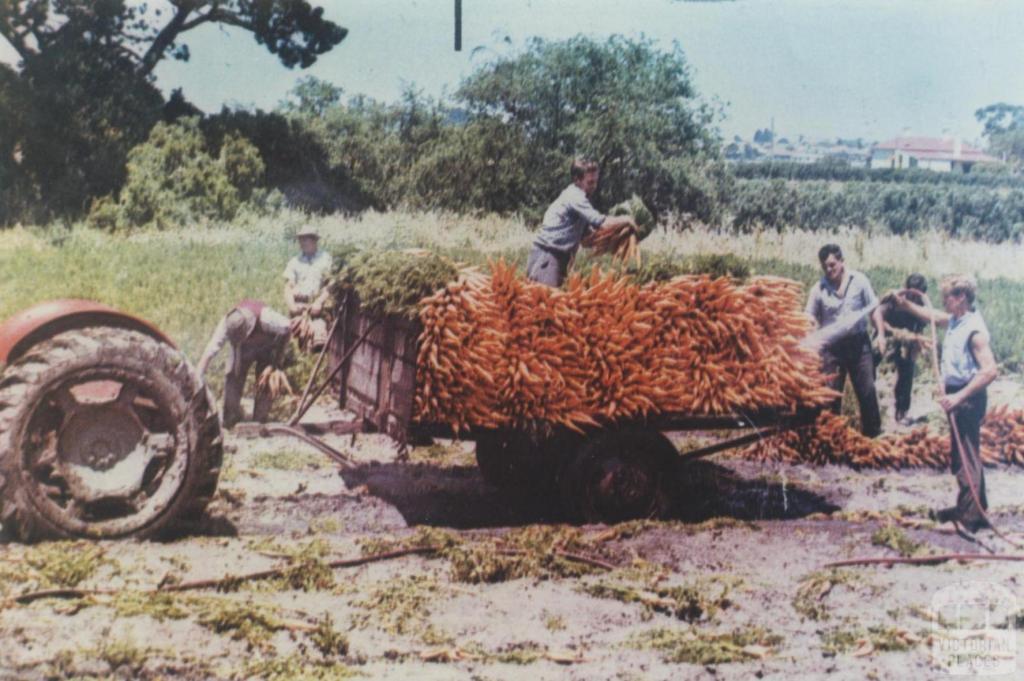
(183, 281)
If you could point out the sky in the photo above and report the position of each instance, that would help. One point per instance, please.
(822, 68)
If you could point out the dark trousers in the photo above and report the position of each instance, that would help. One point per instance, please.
(905, 361)
(852, 356)
(547, 266)
(966, 465)
(234, 385)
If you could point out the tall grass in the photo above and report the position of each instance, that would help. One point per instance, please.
(183, 281)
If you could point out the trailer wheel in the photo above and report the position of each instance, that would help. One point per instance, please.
(620, 475)
(104, 433)
(517, 459)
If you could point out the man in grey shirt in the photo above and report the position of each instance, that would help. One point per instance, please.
(566, 221)
(842, 301)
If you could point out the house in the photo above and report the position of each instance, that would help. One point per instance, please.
(931, 153)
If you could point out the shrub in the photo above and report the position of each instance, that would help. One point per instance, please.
(173, 180)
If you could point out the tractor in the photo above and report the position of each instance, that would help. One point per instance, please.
(106, 430)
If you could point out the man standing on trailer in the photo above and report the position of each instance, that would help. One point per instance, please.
(842, 295)
(257, 335)
(305, 290)
(968, 367)
(566, 221)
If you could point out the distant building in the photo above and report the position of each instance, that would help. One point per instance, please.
(930, 153)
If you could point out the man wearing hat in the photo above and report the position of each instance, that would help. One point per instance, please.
(305, 290)
(258, 335)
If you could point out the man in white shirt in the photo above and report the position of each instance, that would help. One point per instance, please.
(305, 284)
(840, 296)
(257, 335)
(968, 368)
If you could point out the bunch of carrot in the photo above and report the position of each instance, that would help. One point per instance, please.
(832, 440)
(499, 351)
(621, 242)
(624, 242)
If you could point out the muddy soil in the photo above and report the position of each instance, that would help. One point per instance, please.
(732, 587)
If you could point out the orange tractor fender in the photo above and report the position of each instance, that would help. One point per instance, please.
(37, 323)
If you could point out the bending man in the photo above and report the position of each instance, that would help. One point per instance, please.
(257, 335)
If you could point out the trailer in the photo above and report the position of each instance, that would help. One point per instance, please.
(616, 471)
(107, 431)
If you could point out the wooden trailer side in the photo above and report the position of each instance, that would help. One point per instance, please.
(378, 381)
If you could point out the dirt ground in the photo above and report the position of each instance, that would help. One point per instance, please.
(733, 587)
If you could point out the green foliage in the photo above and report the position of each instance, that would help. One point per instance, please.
(297, 668)
(159, 606)
(839, 640)
(810, 596)
(65, 564)
(700, 600)
(896, 539)
(694, 646)
(123, 653)
(394, 282)
(960, 211)
(1004, 127)
(485, 165)
(312, 96)
(831, 170)
(288, 460)
(660, 267)
(248, 622)
(635, 208)
(74, 112)
(621, 102)
(173, 180)
(327, 639)
(399, 606)
(84, 94)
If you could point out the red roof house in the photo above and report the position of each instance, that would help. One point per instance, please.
(932, 153)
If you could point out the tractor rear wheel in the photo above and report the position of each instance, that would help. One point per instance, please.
(620, 475)
(104, 433)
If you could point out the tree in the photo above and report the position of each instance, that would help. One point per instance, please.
(175, 180)
(622, 102)
(312, 96)
(85, 92)
(294, 30)
(1004, 127)
(1001, 117)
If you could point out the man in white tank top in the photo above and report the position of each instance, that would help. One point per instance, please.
(968, 367)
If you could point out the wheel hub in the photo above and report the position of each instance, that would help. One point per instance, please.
(104, 452)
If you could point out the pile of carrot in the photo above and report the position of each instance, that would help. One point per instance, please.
(832, 440)
(1002, 436)
(500, 351)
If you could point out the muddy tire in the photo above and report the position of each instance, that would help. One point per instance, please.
(104, 433)
(518, 460)
(619, 475)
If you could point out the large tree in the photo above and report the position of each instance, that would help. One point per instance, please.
(83, 94)
(625, 103)
(1004, 127)
(294, 30)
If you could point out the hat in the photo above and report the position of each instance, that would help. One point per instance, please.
(309, 230)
